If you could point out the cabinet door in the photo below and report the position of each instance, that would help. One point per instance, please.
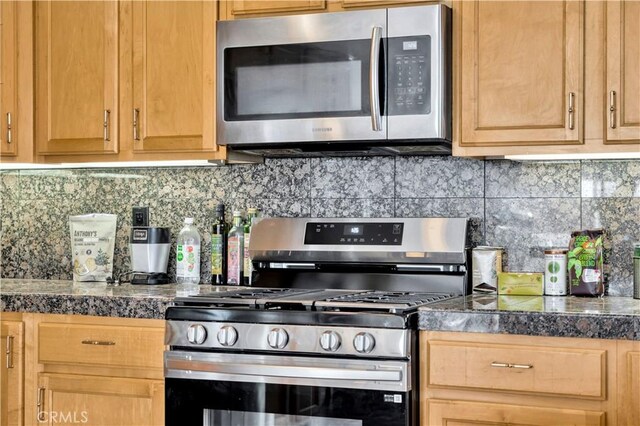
(460, 413)
(95, 400)
(173, 76)
(623, 71)
(76, 77)
(521, 69)
(629, 382)
(11, 373)
(8, 76)
(237, 8)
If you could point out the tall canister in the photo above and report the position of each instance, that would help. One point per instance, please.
(555, 273)
(636, 271)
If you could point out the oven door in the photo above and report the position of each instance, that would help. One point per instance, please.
(265, 390)
(309, 78)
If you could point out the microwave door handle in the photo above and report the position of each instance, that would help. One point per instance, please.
(374, 78)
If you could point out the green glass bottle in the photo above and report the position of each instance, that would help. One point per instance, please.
(219, 248)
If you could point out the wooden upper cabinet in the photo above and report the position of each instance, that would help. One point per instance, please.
(521, 69)
(348, 4)
(622, 106)
(238, 8)
(8, 79)
(76, 77)
(173, 77)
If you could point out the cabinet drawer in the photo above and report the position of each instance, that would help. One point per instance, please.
(113, 346)
(579, 373)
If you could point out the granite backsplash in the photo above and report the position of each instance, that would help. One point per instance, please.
(524, 206)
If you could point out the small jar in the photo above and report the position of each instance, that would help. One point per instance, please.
(555, 272)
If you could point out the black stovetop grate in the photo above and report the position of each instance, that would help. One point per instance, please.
(389, 297)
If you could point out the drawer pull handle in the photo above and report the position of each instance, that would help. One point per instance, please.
(98, 342)
(508, 365)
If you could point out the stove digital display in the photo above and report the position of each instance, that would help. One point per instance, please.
(353, 229)
(340, 233)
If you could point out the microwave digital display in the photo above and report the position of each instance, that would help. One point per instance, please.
(410, 45)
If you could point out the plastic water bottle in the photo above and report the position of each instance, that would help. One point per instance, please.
(188, 254)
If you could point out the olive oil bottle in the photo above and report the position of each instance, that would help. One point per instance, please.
(219, 248)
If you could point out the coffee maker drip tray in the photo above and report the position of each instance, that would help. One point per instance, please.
(149, 278)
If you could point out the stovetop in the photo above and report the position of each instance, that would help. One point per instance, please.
(295, 299)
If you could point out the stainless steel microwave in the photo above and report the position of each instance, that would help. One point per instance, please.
(363, 82)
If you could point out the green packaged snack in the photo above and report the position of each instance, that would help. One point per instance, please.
(585, 263)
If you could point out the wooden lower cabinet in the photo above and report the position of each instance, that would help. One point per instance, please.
(629, 382)
(74, 369)
(74, 398)
(461, 413)
(11, 370)
(476, 378)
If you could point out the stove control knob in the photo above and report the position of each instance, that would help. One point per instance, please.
(227, 335)
(364, 343)
(330, 341)
(278, 338)
(196, 334)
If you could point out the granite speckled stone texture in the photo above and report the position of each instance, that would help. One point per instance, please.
(522, 206)
(94, 298)
(598, 318)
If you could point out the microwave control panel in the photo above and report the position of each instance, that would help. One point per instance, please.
(409, 75)
(340, 233)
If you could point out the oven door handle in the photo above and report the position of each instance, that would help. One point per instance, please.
(292, 372)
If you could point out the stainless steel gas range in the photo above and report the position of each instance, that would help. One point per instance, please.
(331, 340)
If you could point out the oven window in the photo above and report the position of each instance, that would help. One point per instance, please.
(223, 403)
(244, 418)
(307, 80)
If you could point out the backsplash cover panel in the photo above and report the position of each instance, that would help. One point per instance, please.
(523, 206)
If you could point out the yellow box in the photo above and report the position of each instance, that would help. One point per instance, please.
(521, 303)
(521, 283)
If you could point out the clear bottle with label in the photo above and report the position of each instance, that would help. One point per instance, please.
(235, 250)
(219, 248)
(188, 254)
(252, 218)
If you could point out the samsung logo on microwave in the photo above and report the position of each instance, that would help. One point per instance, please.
(321, 129)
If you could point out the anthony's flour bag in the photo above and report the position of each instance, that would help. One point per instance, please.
(92, 241)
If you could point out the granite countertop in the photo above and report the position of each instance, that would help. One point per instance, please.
(601, 318)
(94, 298)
